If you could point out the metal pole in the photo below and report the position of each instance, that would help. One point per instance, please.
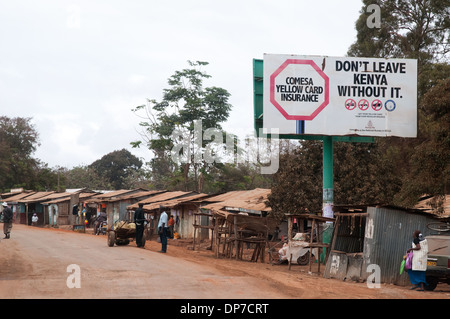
(328, 192)
(328, 195)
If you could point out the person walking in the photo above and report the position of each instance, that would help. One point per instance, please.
(419, 261)
(139, 220)
(162, 231)
(7, 220)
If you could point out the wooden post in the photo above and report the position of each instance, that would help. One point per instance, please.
(335, 232)
(311, 244)
(216, 239)
(195, 230)
(289, 228)
(236, 244)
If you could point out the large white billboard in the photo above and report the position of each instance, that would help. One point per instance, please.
(321, 95)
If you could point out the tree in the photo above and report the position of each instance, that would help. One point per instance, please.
(429, 163)
(364, 174)
(417, 29)
(386, 171)
(297, 186)
(358, 177)
(116, 167)
(82, 176)
(184, 103)
(18, 141)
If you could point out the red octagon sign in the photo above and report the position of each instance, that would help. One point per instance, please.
(320, 106)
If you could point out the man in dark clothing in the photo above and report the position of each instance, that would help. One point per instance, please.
(139, 219)
(7, 220)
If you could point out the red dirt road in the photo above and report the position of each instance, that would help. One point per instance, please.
(34, 261)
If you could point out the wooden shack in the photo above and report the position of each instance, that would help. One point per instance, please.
(181, 205)
(240, 222)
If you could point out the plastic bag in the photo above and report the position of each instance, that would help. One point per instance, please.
(408, 262)
(402, 266)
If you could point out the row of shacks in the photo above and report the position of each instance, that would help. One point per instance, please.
(75, 206)
(363, 236)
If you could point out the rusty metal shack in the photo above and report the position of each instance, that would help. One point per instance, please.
(376, 236)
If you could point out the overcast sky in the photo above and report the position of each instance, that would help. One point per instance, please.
(79, 67)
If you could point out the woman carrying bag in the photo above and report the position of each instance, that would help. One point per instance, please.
(419, 261)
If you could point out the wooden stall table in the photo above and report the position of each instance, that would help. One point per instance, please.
(315, 242)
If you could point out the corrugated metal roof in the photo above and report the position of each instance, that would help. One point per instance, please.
(164, 196)
(138, 195)
(161, 198)
(114, 195)
(83, 196)
(173, 202)
(251, 200)
(14, 192)
(36, 197)
(240, 195)
(108, 195)
(18, 197)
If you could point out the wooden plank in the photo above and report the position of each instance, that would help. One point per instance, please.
(351, 214)
(193, 243)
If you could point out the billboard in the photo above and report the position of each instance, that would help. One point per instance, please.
(337, 96)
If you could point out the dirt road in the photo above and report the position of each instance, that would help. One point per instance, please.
(34, 264)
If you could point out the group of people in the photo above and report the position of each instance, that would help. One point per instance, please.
(165, 227)
(165, 230)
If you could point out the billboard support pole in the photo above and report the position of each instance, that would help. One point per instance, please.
(327, 174)
(328, 191)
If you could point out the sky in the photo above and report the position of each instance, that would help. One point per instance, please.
(77, 68)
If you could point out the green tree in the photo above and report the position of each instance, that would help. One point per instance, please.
(358, 178)
(364, 174)
(82, 176)
(18, 142)
(116, 167)
(184, 102)
(429, 164)
(297, 186)
(418, 29)
(19, 139)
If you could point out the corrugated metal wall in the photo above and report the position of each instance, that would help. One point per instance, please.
(351, 234)
(387, 237)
